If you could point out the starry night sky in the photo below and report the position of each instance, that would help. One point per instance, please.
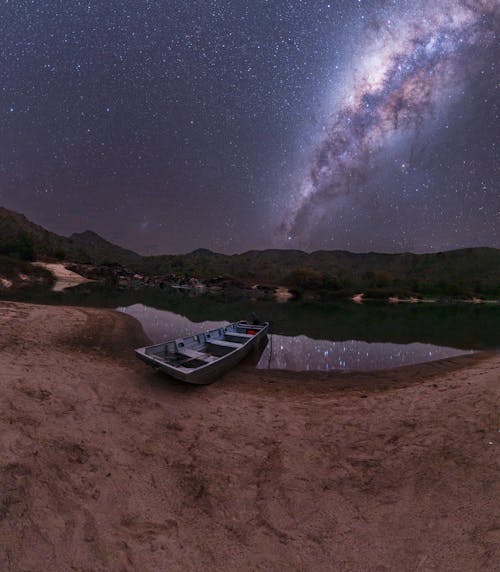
(170, 125)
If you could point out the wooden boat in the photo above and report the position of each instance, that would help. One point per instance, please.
(202, 358)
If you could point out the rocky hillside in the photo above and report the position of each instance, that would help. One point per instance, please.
(21, 238)
(100, 250)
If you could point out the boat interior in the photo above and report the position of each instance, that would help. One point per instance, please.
(199, 350)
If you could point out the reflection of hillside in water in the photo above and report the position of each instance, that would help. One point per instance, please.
(302, 353)
(162, 325)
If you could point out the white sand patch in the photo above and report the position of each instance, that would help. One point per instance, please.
(64, 278)
(5, 283)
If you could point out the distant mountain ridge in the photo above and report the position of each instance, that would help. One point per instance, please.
(467, 269)
(82, 247)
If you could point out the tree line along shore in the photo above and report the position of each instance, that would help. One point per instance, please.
(467, 274)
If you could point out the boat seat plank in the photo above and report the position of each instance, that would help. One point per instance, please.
(240, 335)
(224, 344)
(192, 353)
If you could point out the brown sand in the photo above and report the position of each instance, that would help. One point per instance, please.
(107, 466)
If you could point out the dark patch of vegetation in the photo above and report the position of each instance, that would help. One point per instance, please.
(21, 276)
(462, 273)
(21, 247)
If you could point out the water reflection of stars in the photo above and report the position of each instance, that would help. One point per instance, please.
(302, 353)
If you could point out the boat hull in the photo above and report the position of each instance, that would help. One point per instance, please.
(216, 366)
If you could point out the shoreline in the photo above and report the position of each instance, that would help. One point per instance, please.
(68, 275)
(107, 465)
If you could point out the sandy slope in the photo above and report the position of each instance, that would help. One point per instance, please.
(64, 278)
(106, 466)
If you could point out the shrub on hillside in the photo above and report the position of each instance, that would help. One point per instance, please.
(22, 248)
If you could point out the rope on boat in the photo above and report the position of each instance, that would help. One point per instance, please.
(271, 346)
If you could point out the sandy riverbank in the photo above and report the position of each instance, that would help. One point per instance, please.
(107, 466)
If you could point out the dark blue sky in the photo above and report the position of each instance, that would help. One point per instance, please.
(170, 125)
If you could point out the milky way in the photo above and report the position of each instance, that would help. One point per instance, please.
(410, 69)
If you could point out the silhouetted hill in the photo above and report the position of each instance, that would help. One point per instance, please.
(455, 272)
(19, 236)
(22, 238)
(98, 248)
(203, 252)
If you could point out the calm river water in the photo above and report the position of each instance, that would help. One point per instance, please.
(340, 336)
(300, 352)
